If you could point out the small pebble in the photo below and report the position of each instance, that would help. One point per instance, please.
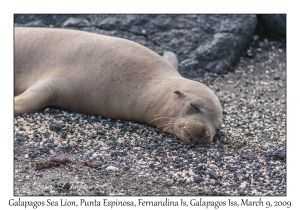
(212, 166)
(213, 174)
(112, 168)
(243, 185)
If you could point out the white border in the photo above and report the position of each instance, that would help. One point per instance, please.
(153, 6)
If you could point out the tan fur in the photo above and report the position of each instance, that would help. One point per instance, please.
(111, 77)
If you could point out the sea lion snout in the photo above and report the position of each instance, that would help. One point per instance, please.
(199, 119)
(193, 131)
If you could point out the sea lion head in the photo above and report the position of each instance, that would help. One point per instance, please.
(200, 115)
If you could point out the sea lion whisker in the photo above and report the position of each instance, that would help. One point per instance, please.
(159, 118)
(197, 130)
(157, 114)
(166, 128)
(189, 136)
(186, 119)
(159, 126)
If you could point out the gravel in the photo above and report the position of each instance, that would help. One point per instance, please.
(63, 153)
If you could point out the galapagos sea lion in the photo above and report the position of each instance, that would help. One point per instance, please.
(111, 77)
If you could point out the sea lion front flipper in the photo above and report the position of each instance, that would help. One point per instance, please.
(171, 58)
(34, 98)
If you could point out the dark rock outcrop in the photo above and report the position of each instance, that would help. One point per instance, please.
(273, 25)
(202, 42)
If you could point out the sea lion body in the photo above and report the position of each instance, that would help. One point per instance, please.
(111, 77)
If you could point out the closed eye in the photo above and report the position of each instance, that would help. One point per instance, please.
(194, 107)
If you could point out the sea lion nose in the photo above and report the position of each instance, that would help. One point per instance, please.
(206, 135)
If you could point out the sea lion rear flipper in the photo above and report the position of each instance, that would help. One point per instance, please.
(171, 58)
(34, 98)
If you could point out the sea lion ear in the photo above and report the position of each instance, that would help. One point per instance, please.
(179, 93)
